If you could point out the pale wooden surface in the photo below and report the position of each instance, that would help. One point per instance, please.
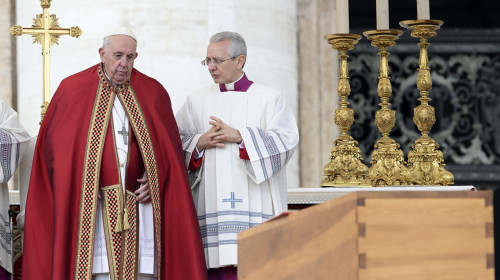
(376, 235)
(320, 195)
(295, 247)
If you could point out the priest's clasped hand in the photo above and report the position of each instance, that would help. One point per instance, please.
(219, 133)
(223, 132)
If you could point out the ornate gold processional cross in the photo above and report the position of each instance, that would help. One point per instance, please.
(45, 31)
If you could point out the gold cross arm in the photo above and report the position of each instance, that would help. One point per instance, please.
(45, 30)
(17, 30)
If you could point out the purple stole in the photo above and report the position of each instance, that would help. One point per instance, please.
(241, 85)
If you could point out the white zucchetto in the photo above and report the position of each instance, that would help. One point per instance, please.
(120, 30)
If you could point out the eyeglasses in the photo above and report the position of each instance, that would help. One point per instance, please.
(206, 62)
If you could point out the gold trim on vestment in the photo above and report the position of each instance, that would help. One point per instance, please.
(141, 131)
(130, 266)
(112, 213)
(90, 181)
(128, 242)
(121, 232)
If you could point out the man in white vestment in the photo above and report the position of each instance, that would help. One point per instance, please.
(238, 137)
(13, 143)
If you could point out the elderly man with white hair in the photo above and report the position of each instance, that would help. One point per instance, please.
(109, 195)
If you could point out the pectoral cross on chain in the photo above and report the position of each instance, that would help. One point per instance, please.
(124, 133)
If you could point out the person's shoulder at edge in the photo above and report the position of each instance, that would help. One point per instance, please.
(73, 84)
(264, 89)
(78, 75)
(138, 75)
(264, 92)
(202, 92)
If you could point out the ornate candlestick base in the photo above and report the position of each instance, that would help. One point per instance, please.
(388, 165)
(346, 167)
(425, 161)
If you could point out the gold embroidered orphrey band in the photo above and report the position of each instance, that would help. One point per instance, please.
(90, 184)
(122, 232)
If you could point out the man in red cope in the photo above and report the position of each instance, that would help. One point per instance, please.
(109, 196)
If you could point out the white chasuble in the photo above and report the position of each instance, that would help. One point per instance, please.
(14, 140)
(234, 194)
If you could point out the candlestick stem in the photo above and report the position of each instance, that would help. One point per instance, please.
(346, 167)
(425, 160)
(388, 165)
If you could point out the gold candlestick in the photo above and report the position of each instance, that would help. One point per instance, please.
(388, 165)
(346, 167)
(425, 160)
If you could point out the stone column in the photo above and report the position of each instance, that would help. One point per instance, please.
(318, 77)
(8, 89)
(7, 56)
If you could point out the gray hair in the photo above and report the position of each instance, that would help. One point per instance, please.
(107, 39)
(237, 47)
(105, 42)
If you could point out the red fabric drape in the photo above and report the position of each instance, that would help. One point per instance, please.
(52, 211)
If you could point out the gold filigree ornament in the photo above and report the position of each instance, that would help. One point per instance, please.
(425, 160)
(38, 22)
(346, 167)
(45, 3)
(388, 165)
